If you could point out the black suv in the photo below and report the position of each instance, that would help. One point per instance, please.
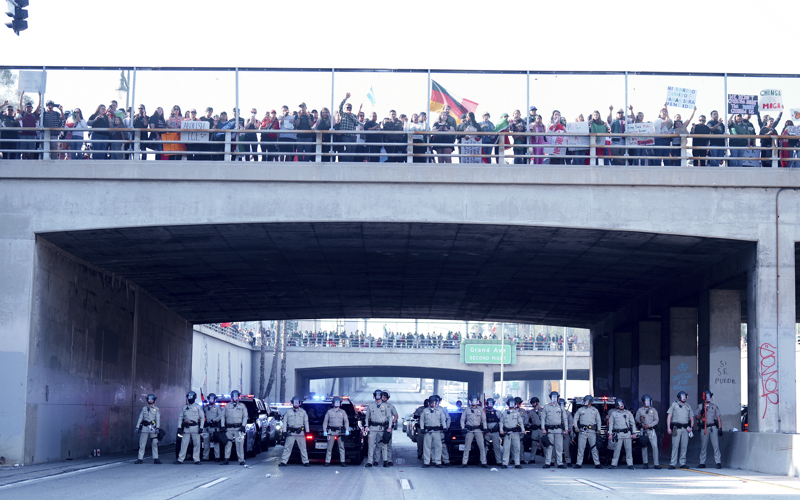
(355, 445)
(456, 440)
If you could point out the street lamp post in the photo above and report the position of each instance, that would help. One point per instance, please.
(122, 89)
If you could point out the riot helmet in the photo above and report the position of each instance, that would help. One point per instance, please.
(377, 395)
(434, 401)
(620, 403)
(707, 395)
(473, 400)
(235, 396)
(554, 397)
(426, 403)
(337, 402)
(296, 401)
(459, 404)
(191, 397)
(562, 402)
(212, 398)
(517, 401)
(151, 398)
(534, 401)
(682, 397)
(510, 402)
(385, 395)
(588, 400)
(647, 400)
(490, 403)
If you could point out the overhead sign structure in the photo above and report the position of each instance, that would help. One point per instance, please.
(487, 352)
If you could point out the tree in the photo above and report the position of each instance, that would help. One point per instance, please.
(8, 92)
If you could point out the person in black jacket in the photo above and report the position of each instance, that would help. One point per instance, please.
(100, 135)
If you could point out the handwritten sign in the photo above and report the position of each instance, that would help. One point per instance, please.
(795, 113)
(640, 128)
(559, 142)
(793, 130)
(679, 97)
(32, 81)
(742, 103)
(770, 100)
(578, 128)
(194, 136)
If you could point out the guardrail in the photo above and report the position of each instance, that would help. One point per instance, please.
(410, 147)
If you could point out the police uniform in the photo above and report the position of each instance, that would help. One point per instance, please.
(432, 424)
(568, 438)
(213, 424)
(445, 447)
(420, 438)
(150, 422)
(392, 414)
(473, 421)
(493, 428)
(335, 423)
(587, 423)
(296, 425)
(513, 426)
(621, 425)
(191, 421)
(554, 420)
(534, 424)
(681, 420)
(377, 416)
(648, 416)
(709, 430)
(234, 419)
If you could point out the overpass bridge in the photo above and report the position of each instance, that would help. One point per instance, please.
(106, 266)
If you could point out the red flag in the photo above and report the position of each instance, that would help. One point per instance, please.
(225, 325)
(202, 398)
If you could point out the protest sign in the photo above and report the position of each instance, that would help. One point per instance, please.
(639, 128)
(770, 100)
(794, 114)
(559, 142)
(194, 136)
(795, 130)
(742, 104)
(578, 128)
(32, 81)
(679, 97)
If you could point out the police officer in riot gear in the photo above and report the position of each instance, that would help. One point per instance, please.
(445, 433)
(335, 425)
(586, 424)
(377, 417)
(622, 428)
(493, 430)
(567, 435)
(148, 426)
(709, 421)
(554, 423)
(647, 418)
(680, 421)
(213, 424)
(534, 425)
(392, 426)
(234, 419)
(512, 426)
(431, 425)
(296, 425)
(190, 424)
(417, 415)
(473, 424)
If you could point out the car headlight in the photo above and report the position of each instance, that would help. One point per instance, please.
(278, 427)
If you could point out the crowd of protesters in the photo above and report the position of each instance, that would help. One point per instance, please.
(291, 136)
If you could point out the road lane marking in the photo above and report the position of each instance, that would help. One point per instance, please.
(594, 485)
(62, 474)
(742, 479)
(212, 483)
(406, 484)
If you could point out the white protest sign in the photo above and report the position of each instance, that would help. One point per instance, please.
(194, 136)
(558, 141)
(32, 81)
(578, 128)
(793, 130)
(679, 97)
(639, 128)
(795, 113)
(770, 100)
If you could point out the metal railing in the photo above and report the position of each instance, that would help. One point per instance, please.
(409, 147)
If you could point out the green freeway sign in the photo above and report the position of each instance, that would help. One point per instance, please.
(487, 352)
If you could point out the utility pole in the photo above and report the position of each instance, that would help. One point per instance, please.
(263, 372)
(282, 327)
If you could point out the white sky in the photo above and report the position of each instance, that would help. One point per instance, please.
(704, 36)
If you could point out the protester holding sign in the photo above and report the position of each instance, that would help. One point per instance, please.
(716, 150)
(556, 126)
(537, 140)
(598, 126)
(766, 154)
(617, 127)
(700, 144)
(738, 146)
(681, 128)
(662, 125)
(789, 130)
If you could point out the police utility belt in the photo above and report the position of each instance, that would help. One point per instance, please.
(189, 423)
(336, 429)
(713, 424)
(551, 427)
(294, 430)
(435, 429)
(512, 429)
(378, 424)
(215, 423)
(588, 428)
(679, 426)
(624, 429)
(474, 427)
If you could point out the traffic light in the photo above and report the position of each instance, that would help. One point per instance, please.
(18, 14)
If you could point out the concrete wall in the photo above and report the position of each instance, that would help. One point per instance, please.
(98, 346)
(221, 364)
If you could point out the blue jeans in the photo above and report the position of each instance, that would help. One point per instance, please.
(306, 152)
(715, 157)
(736, 153)
(99, 146)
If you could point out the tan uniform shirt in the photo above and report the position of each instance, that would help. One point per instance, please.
(336, 417)
(512, 421)
(152, 415)
(620, 421)
(712, 414)
(647, 416)
(378, 415)
(191, 413)
(588, 415)
(535, 418)
(213, 416)
(474, 417)
(681, 412)
(432, 417)
(296, 418)
(234, 415)
(553, 414)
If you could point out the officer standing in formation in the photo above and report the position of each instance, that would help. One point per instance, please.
(680, 421)
(647, 418)
(445, 432)
(586, 424)
(392, 424)
(554, 422)
(709, 422)
(512, 426)
(431, 424)
(567, 435)
(190, 425)
(335, 425)
(234, 420)
(377, 417)
(622, 425)
(493, 430)
(149, 423)
(473, 423)
(534, 425)
(213, 424)
(296, 425)
(417, 416)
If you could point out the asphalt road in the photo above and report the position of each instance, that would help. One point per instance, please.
(116, 476)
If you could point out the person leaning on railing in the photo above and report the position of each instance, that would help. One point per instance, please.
(766, 154)
(738, 127)
(9, 136)
(788, 143)
(98, 121)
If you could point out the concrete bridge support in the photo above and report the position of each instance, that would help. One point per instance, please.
(647, 379)
(623, 366)
(682, 328)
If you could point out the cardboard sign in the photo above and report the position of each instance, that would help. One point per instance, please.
(679, 97)
(742, 104)
(770, 100)
(32, 82)
(793, 130)
(194, 136)
(795, 114)
(578, 128)
(559, 143)
(639, 128)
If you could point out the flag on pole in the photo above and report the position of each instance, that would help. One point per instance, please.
(441, 97)
(371, 96)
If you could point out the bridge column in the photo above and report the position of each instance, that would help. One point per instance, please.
(719, 346)
(622, 366)
(648, 379)
(601, 364)
(436, 386)
(682, 328)
(771, 336)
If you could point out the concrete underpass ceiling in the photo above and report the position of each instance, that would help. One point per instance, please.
(540, 275)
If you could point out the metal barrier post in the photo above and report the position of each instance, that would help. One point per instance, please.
(684, 151)
(46, 152)
(592, 149)
(228, 145)
(409, 148)
(774, 152)
(501, 149)
(136, 144)
(318, 148)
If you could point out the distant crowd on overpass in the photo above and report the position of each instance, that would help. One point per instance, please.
(543, 341)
